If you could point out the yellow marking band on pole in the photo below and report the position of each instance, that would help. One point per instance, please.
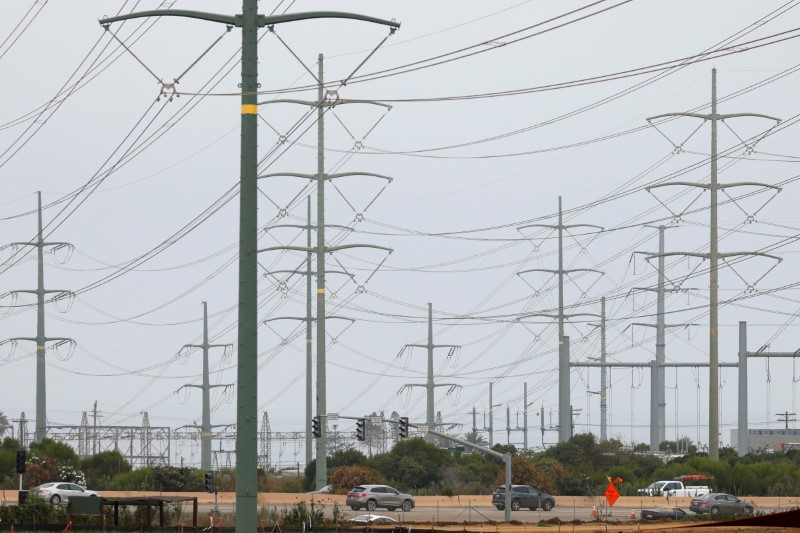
(321, 291)
(713, 332)
(249, 109)
(40, 346)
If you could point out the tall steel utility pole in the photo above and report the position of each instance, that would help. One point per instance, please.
(206, 426)
(564, 405)
(247, 354)
(429, 384)
(658, 399)
(41, 339)
(603, 372)
(714, 255)
(322, 105)
(309, 319)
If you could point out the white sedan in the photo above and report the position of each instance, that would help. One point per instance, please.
(61, 491)
(373, 519)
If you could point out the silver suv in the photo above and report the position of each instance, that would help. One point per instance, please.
(374, 496)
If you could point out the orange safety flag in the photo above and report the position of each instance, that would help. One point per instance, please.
(612, 494)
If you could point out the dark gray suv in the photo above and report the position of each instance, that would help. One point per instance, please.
(523, 496)
(371, 497)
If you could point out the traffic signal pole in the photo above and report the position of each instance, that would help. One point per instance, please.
(247, 356)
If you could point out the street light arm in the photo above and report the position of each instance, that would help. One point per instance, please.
(668, 254)
(348, 246)
(231, 20)
(726, 254)
(563, 226)
(670, 115)
(328, 249)
(749, 183)
(545, 315)
(569, 271)
(290, 174)
(236, 20)
(356, 173)
(681, 183)
(710, 116)
(292, 17)
(314, 103)
(760, 254)
(305, 226)
(434, 346)
(756, 115)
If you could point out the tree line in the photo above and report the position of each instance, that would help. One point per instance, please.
(579, 466)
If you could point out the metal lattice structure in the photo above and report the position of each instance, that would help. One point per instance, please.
(143, 445)
(146, 445)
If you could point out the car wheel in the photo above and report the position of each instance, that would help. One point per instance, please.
(547, 505)
(371, 505)
(407, 506)
(390, 509)
(515, 505)
(748, 511)
(355, 507)
(55, 499)
(500, 507)
(714, 510)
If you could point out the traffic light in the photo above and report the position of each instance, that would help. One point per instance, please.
(315, 429)
(361, 429)
(21, 462)
(208, 481)
(402, 428)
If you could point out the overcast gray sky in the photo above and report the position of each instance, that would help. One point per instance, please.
(497, 110)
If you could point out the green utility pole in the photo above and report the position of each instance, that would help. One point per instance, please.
(206, 426)
(714, 255)
(247, 355)
(41, 339)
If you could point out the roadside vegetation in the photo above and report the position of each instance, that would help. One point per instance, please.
(577, 467)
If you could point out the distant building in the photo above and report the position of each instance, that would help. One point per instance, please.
(769, 440)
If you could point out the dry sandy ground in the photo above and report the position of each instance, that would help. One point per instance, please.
(619, 521)
(272, 498)
(625, 502)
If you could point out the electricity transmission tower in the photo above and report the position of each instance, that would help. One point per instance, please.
(41, 339)
(206, 426)
(658, 402)
(490, 428)
(322, 104)
(714, 255)
(429, 385)
(247, 353)
(309, 319)
(564, 406)
(603, 372)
